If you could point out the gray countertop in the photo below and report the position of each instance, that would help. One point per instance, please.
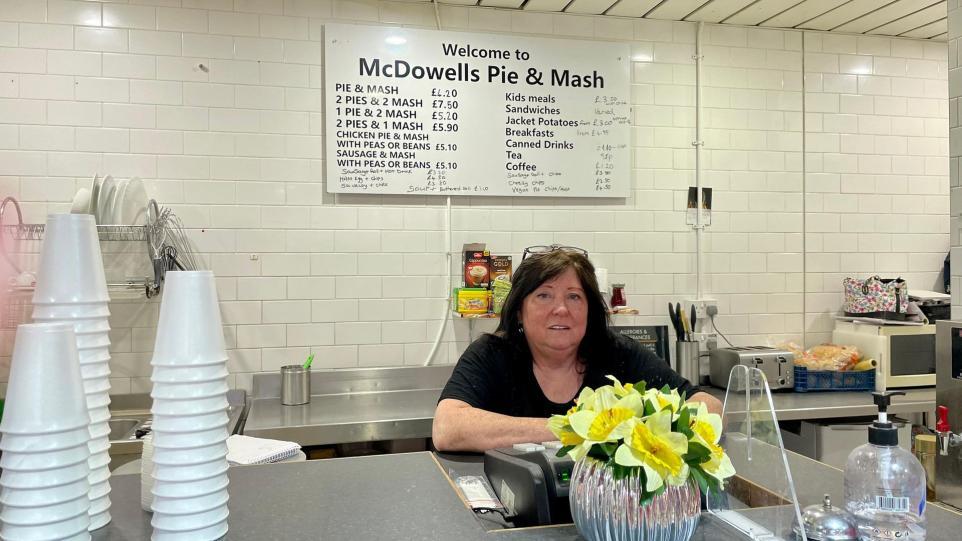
(395, 403)
(404, 496)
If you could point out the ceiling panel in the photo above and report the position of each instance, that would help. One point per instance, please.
(807, 10)
(934, 30)
(502, 3)
(920, 18)
(676, 10)
(632, 8)
(594, 7)
(884, 15)
(546, 5)
(717, 10)
(843, 14)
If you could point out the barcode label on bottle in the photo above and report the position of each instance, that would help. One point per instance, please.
(887, 503)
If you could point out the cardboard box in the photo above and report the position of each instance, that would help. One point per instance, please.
(477, 270)
(500, 268)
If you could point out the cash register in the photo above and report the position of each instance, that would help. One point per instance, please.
(531, 482)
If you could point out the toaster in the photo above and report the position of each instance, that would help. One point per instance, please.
(777, 364)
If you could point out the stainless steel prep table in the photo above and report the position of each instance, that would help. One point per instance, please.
(402, 496)
(395, 403)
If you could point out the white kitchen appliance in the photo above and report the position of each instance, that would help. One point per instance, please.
(905, 353)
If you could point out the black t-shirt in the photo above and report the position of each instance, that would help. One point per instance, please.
(491, 375)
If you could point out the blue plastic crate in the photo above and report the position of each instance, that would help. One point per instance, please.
(824, 380)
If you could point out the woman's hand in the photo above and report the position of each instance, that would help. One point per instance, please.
(713, 404)
(458, 426)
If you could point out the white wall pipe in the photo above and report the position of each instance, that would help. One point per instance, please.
(698, 143)
(446, 309)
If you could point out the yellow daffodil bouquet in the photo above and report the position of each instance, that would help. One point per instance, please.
(649, 432)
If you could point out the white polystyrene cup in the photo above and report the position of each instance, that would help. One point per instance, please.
(189, 330)
(27, 516)
(48, 478)
(99, 371)
(190, 456)
(99, 399)
(44, 442)
(188, 440)
(213, 372)
(99, 513)
(190, 506)
(196, 406)
(70, 310)
(189, 522)
(39, 497)
(71, 265)
(99, 460)
(190, 423)
(98, 383)
(190, 473)
(73, 528)
(191, 488)
(45, 392)
(47, 460)
(217, 531)
(189, 391)
(81, 325)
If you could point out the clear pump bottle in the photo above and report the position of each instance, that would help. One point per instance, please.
(885, 484)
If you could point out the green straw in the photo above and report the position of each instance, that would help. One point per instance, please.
(307, 363)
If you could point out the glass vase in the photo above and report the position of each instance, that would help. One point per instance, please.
(606, 509)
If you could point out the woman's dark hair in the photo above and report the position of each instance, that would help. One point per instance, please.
(538, 269)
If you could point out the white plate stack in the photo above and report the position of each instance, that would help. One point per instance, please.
(189, 412)
(72, 289)
(43, 487)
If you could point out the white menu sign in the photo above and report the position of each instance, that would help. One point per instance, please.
(429, 112)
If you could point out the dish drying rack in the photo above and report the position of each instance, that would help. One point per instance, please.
(154, 233)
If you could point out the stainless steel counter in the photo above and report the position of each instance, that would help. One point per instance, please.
(407, 496)
(393, 403)
(793, 406)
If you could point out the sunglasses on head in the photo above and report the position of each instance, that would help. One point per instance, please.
(540, 250)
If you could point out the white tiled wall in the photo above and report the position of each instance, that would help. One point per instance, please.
(217, 104)
(955, 151)
(876, 168)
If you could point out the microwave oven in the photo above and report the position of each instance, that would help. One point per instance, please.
(905, 353)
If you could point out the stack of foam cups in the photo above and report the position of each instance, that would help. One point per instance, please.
(72, 289)
(189, 412)
(43, 487)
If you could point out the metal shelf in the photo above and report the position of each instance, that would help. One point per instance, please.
(110, 233)
(18, 305)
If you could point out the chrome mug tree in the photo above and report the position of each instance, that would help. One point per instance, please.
(642, 459)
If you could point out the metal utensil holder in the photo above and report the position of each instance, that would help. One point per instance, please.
(295, 385)
(687, 363)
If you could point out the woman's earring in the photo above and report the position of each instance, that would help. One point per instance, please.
(520, 328)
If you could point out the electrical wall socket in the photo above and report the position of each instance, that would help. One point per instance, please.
(701, 307)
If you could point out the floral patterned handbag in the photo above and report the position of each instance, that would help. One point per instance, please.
(876, 297)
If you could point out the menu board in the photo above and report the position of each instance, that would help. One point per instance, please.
(428, 112)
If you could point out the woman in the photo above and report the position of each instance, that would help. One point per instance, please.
(553, 340)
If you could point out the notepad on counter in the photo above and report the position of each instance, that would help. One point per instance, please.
(245, 450)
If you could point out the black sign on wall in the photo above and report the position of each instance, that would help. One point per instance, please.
(652, 337)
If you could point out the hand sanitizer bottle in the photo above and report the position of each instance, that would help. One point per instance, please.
(885, 484)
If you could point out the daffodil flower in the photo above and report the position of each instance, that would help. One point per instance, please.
(561, 428)
(707, 428)
(661, 400)
(622, 390)
(650, 444)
